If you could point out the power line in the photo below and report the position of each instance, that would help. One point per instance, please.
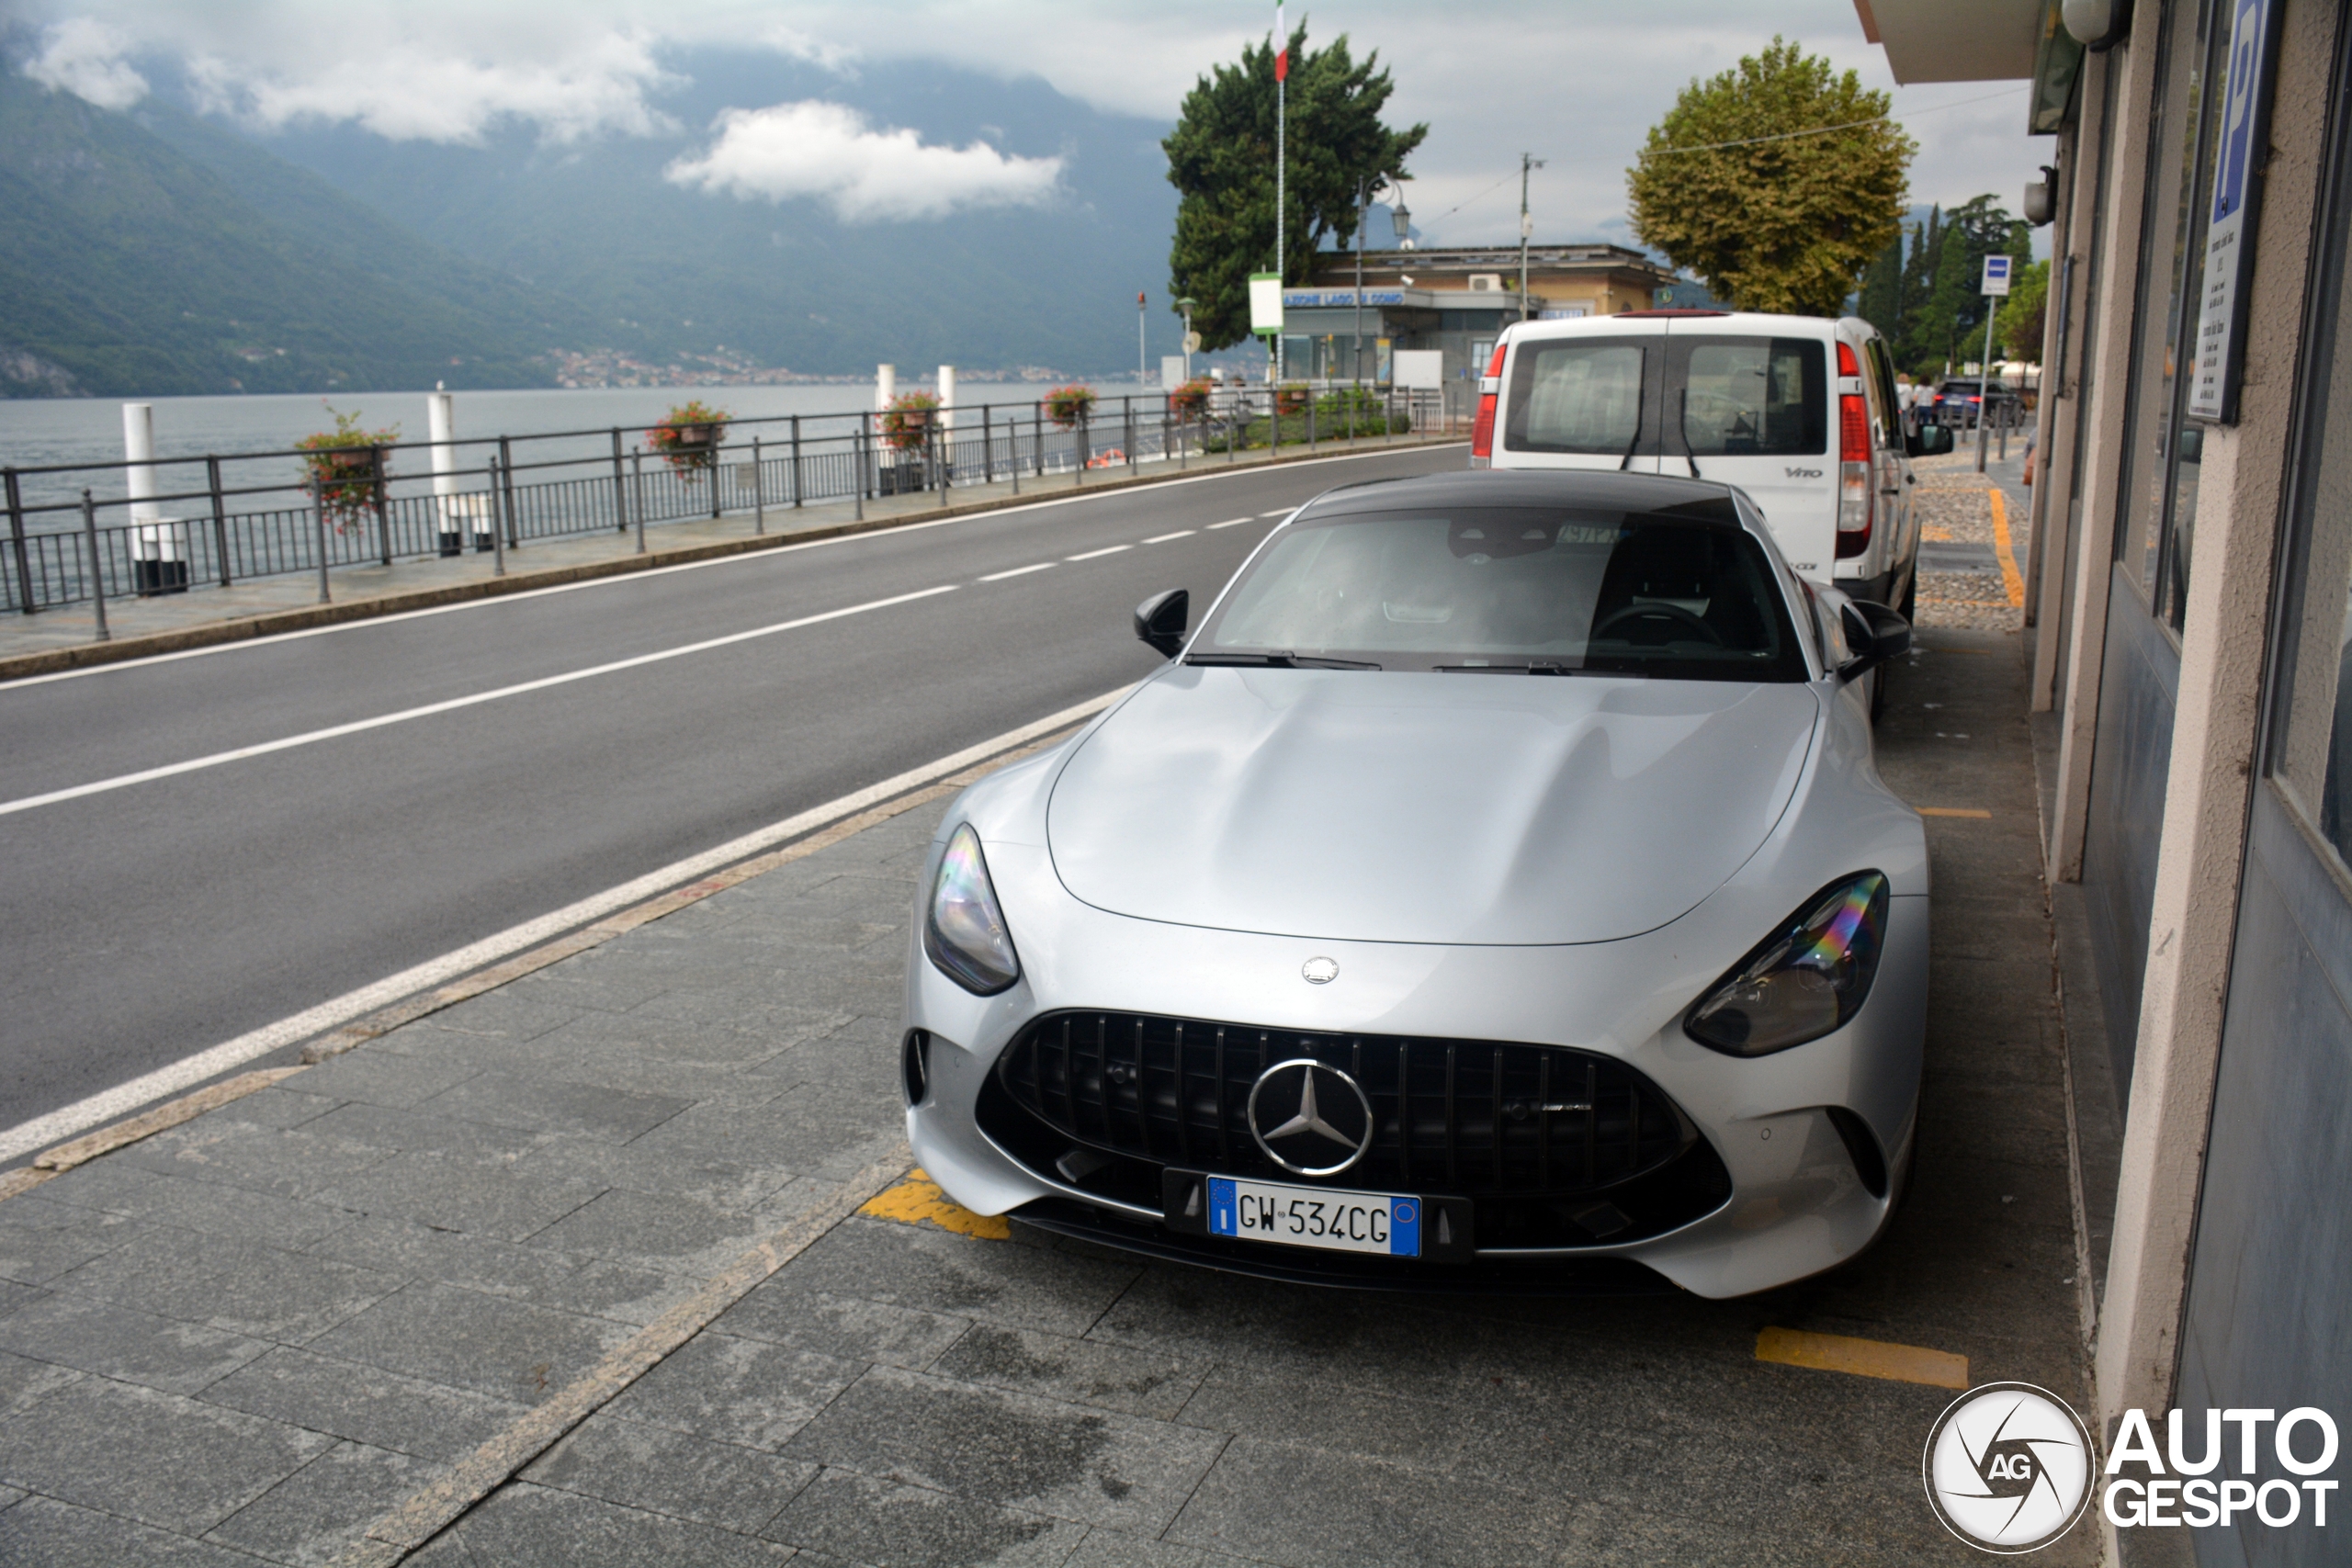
(1823, 129)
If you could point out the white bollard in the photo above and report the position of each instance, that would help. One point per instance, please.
(441, 429)
(947, 397)
(886, 385)
(158, 559)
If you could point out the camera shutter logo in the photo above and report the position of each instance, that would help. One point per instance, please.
(2008, 1468)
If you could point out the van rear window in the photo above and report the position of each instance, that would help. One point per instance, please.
(1756, 397)
(1574, 397)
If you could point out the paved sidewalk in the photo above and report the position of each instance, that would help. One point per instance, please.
(290, 602)
(362, 1296)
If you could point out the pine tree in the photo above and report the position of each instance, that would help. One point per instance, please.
(1221, 158)
(1882, 301)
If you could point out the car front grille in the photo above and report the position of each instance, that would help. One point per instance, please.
(1464, 1116)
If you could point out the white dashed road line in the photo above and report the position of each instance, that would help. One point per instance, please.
(1232, 523)
(195, 764)
(1179, 534)
(1018, 570)
(1281, 512)
(1090, 555)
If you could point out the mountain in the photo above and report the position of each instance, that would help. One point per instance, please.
(129, 266)
(660, 270)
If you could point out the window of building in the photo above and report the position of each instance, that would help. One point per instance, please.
(2311, 744)
(2162, 455)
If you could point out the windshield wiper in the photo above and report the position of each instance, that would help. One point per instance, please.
(1280, 660)
(1532, 667)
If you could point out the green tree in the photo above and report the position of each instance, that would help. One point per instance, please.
(1221, 160)
(1882, 301)
(1777, 181)
(1948, 326)
(2018, 327)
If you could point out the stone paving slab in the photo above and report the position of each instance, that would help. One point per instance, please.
(250, 1338)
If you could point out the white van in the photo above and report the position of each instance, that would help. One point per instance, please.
(1799, 411)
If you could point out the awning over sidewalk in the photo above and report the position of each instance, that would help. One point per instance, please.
(1935, 41)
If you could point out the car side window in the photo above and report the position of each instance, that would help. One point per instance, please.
(1882, 377)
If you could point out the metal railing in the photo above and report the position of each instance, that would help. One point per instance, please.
(218, 519)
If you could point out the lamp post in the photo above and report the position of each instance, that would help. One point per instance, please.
(1143, 371)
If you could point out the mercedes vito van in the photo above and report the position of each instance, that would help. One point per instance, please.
(1799, 411)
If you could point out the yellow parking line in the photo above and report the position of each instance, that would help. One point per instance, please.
(2012, 583)
(1951, 811)
(917, 1200)
(1862, 1357)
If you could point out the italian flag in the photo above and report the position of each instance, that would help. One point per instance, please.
(1282, 47)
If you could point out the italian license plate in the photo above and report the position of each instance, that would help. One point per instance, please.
(1382, 1222)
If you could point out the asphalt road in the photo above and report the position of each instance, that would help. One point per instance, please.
(140, 925)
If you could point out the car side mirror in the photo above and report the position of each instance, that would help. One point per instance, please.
(1875, 634)
(1160, 620)
(1929, 441)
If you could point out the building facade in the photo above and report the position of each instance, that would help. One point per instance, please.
(1456, 301)
(2191, 626)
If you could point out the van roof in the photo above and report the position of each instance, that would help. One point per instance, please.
(1707, 321)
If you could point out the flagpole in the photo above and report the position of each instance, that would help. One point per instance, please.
(1282, 109)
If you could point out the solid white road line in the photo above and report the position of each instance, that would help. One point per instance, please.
(1230, 523)
(1179, 534)
(1090, 555)
(121, 1100)
(124, 780)
(492, 601)
(1019, 571)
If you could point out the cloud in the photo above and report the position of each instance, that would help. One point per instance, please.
(827, 151)
(407, 91)
(84, 58)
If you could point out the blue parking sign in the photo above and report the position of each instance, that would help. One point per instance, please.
(2216, 358)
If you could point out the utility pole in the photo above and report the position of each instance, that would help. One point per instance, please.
(1363, 215)
(1143, 373)
(1281, 113)
(1528, 164)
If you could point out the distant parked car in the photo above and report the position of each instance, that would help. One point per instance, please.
(1959, 401)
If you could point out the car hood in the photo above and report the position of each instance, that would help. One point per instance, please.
(1422, 807)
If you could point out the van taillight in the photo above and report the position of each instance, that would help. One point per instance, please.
(1854, 496)
(1847, 364)
(1482, 435)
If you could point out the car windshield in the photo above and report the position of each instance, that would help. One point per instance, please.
(1682, 593)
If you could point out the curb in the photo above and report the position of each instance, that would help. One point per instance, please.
(49, 662)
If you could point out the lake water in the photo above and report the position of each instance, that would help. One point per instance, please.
(42, 432)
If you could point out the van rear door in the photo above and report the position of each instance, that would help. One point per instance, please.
(1753, 411)
(1589, 400)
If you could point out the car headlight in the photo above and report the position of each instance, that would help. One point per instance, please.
(965, 934)
(1804, 981)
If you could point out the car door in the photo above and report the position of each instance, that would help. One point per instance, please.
(1894, 509)
(1584, 400)
(1752, 409)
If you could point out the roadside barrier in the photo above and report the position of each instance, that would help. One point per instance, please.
(171, 524)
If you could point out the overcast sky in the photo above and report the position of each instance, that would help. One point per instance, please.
(1576, 83)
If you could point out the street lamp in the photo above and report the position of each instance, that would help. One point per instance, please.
(1403, 220)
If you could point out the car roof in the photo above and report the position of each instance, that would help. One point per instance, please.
(1602, 489)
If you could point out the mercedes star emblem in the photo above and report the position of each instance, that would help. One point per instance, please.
(1311, 1137)
(1320, 971)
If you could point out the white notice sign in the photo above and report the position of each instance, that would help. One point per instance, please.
(1265, 301)
(1997, 275)
(2229, 239)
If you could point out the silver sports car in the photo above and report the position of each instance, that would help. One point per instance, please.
(1496, 891)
